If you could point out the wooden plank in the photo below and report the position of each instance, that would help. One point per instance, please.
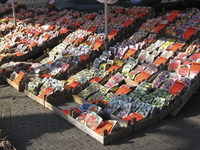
(131, 82)
(34, 97)
(184, 98)
(145, 123)
(57, 99)
(117, 135)
(53, 108)
(169, 109)
(78, 99)
(19, 87)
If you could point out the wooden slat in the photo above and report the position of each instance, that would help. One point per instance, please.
(169, 109)
(19, 87)
(145, 123)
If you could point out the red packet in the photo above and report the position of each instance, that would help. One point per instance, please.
(84, 57)
(12, 25)
(119, 11)
(133, 115)
(129, 53)
(26, 30)
(65, 66)
(175, 46)
(141, 13)
(128, 22)
(46, 37)
(18, 78)
(32, 45)
(91, 17)
(142, 76)
(73, 84)
(122, 89)
(107, 125)
(173, 15)
(1, 70)
(64, 20)
(112, 33)
(79, 40)
(160, 60)
(4, 9)
(47, 91)
(159, 27)
(97, 79)
(177, 87)
(97, 44)
(37, 33)
(38, 24)
(194, 69)
(66, 111)
(19, 54)
(96, 101)
(23, 41)
(45, 75)
(77, 25)
(28, 15)
(92, 29)
(189, 32)
(16, 5)
(10, 37)
(115, 67)
(51, 27)
(7, 46)
(64, 31)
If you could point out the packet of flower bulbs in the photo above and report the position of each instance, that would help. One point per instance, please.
(124, 110)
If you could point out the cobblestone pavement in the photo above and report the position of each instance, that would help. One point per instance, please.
(29, 125)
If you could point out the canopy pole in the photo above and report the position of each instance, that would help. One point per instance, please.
(14, 16)
(106, 26)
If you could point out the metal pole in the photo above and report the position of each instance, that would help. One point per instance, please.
(106, 26)
(13, 9)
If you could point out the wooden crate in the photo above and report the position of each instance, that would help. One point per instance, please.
(19, 87)
(105, 139)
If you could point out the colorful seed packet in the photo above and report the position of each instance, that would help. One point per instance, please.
(124, 110)
(94, 108)
(93, 120)
(84, 107)
(109, 125)
(82, 117)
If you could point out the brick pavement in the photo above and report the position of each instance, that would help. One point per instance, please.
(29, 126)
